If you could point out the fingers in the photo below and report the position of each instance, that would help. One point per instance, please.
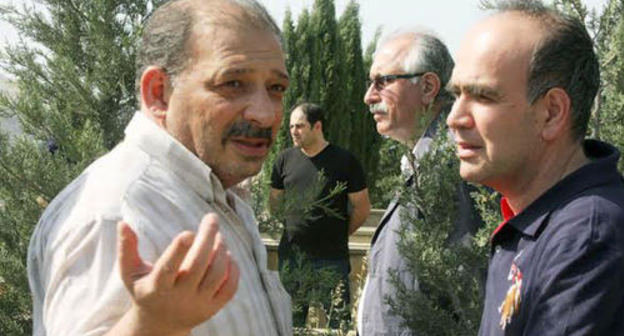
(230, 285)
(127, 254)
(200, 253)
(199, 261)
(217, 272)
(167, 266)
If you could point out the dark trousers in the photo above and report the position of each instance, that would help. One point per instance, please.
(314, 279)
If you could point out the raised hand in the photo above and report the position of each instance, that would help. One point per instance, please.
(190, 282)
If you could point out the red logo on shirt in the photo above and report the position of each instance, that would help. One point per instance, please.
(511, 303)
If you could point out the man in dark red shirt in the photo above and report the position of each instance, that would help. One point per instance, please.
(525, 80)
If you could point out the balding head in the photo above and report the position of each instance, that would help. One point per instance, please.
(495, 48)
(563, 57)
(167, 32)
(516, 106)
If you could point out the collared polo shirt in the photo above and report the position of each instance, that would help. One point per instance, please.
(161, 189)
(557, 267)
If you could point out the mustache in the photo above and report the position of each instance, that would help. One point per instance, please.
(378, 108)
(246, 129)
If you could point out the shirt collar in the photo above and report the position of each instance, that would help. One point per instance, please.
(506, 210)
(507, 214)
(600, 171)
(421, 147)
(155, 141)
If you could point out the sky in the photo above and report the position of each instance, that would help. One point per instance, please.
(448, 19)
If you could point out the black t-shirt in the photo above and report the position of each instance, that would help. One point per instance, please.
(317, 233)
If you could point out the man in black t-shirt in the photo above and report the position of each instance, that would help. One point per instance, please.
(317, 226)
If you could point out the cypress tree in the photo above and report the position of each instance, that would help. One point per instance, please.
(327, 73)
(364, 140)
(384, 172)
(305, 61)
(292, 65)
(370, 50)
(607, 121)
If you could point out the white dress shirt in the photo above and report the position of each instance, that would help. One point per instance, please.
(161, 189)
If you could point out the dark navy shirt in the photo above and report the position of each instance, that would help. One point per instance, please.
(557, 267)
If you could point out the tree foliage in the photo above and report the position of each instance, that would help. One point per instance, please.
(607, 31)
(450, 274)
(363, 141)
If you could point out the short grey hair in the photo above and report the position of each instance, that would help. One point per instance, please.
(427, 53)
(564, 58)
(165, 40)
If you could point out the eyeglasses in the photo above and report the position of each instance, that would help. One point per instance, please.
(380, 82)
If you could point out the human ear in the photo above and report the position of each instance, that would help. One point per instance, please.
(556, 114)
(430, 87)
(154, 97)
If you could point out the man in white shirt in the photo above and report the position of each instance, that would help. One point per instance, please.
(211, 76)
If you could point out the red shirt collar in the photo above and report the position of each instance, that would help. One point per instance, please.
(507, 213)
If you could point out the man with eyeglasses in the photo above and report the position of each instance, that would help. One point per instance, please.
(407, 98)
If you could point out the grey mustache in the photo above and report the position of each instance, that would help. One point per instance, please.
(378, 108)
(246, 129)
